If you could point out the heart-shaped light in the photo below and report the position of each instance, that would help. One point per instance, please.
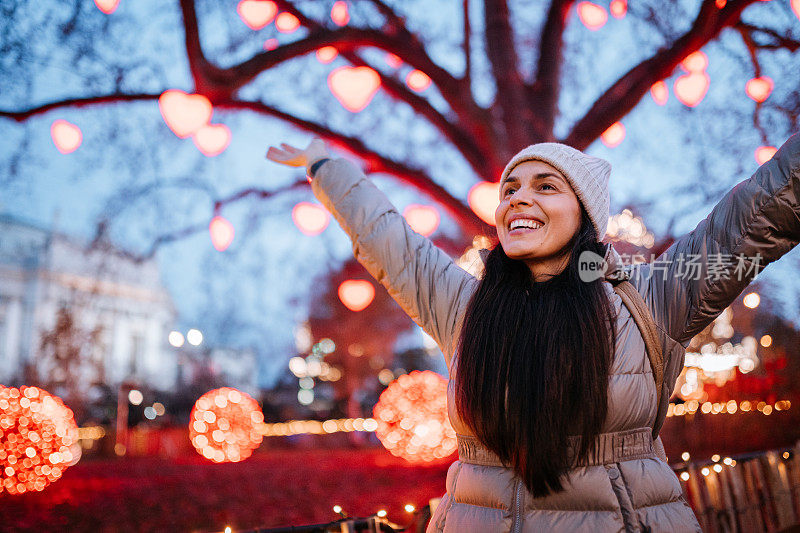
(256, 13)
(339, 14)
(212, 139)
(720, 3)
(659, 92)
(618, 8)
(759, 89)
(695, 62)
(271, 44)
(691, 88)
(184, 113)
(326, 54)
(796, 8)
(311, 219)
(764, 154)
(107, 6)
(593, 16)
(356, 294)
(221, 232)
(418, 80)
(354, 87)
(613, 135)
(393, 60)
(66, 136)
(287, 23)
(483, 199)
(423, 219)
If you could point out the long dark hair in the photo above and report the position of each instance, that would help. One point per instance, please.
(533, 363)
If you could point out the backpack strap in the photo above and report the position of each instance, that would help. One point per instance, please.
(647, 326)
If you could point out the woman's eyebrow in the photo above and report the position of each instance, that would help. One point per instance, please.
(538, 176)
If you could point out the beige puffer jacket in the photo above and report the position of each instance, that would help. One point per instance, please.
(628, 488)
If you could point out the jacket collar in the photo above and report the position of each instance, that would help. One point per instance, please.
(614, 269)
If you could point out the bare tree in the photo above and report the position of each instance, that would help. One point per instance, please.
(524, 108)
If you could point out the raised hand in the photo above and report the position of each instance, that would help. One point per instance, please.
(295, 157)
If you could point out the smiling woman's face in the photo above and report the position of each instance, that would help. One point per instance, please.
(538, 215)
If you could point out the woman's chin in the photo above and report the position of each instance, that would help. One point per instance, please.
(520, 253)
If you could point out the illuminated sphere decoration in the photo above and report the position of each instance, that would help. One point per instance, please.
(38, 439)
(412, 418)
(224, 425)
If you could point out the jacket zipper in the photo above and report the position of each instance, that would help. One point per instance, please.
(517, 509)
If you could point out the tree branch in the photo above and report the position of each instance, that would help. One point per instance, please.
(626, 92)
(100, 237)
(456, 93)
(510, 88)
(23, 115)
(376, 162)
(780, 41)
(752, 49)
(547, 83)
(467, 45)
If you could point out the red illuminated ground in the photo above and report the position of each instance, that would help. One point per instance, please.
(271, 488)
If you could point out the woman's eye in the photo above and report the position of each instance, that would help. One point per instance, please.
(548, 185)
(509, 191)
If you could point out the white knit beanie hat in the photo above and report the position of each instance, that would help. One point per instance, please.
(588, 176)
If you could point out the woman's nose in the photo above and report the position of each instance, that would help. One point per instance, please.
(520, 197)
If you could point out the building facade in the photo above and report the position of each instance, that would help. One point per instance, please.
(121, 301)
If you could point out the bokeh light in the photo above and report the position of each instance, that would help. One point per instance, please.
(411, 415)
(38, 439)
(225, 425)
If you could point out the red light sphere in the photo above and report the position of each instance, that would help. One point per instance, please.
(659, 92)
(222, 232)
(412, 418)
(423, 219)
(339, 13)
(107, 6)
(692, 88)
(764, 154)
(224, 425)
(356, 294)
(287, 23)
(38, 439)
(311, 219)
(326, 54)
(184, 113)
(354, 87)
(618, 8)
(695, 62)
(593, 16)
(759, 89)
(256, 13)
(66, 136)
(613, 135)
(483, 199)
(418, 80)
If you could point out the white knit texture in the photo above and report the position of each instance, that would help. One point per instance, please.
(587, 174)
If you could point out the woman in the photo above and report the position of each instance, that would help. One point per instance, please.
(550, 389)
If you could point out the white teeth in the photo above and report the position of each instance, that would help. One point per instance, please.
(524, 223)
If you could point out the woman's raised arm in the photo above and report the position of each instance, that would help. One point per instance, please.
(422, 278)
(754, 224)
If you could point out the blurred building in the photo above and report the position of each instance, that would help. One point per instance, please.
(104, 291)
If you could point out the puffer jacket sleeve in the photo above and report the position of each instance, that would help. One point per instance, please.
(422, 278)
(754, 224)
